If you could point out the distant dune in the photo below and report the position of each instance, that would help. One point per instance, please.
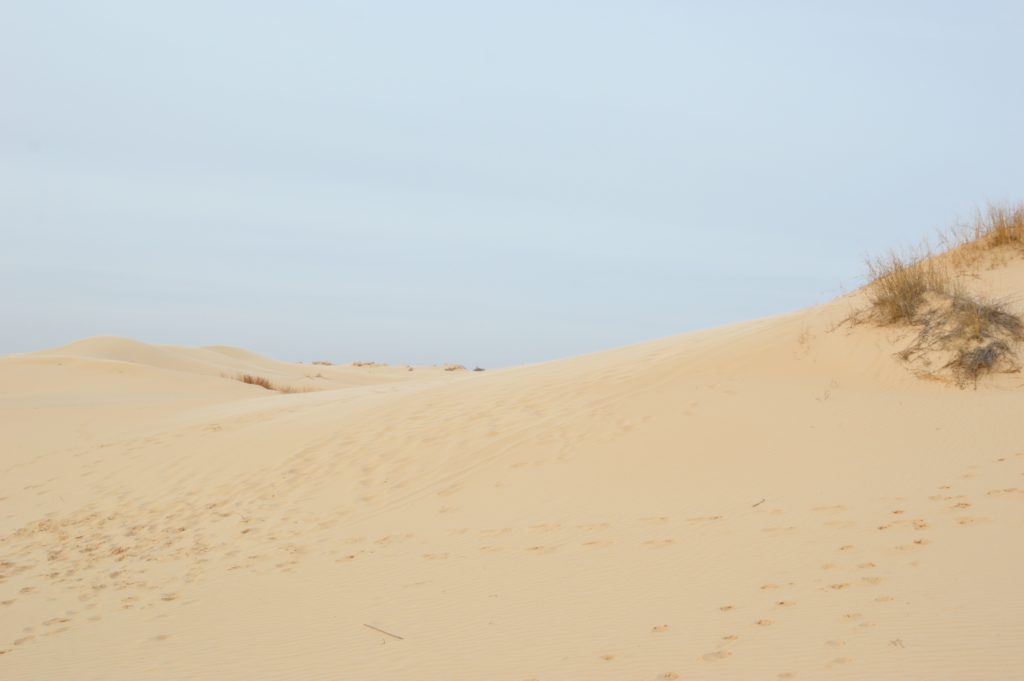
(778, 499)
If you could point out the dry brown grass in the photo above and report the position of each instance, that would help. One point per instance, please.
(898, 285)
(965, 335)
(986, 233)
(997, 225)
(256, 380)
(267, 384)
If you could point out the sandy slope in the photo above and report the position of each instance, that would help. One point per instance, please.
(776, 499)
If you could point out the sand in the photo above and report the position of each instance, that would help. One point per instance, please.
(770, 500)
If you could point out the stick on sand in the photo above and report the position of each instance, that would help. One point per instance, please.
(370, 626)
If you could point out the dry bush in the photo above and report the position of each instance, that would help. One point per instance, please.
(454, 367)
(323, 362)
(368, 364)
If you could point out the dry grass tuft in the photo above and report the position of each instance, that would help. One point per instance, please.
(267, 384)
(999, 225)
(256, 380)
(966, 335)
(323, 363)
(973, 335)
(899, 285)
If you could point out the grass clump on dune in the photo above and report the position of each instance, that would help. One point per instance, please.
(969, 335)
(266, 383)
(900, 286)
(998, 225)
(957, 332)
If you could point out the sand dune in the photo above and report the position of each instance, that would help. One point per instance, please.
(771, 500)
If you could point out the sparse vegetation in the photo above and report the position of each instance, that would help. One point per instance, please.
(965, 334)
(998, 225)
(256, 380)
(367, 364)
(454, 367)
(323, 362)
(479, 369)
(900, 285)
(267, 384)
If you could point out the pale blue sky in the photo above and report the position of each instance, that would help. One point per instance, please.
(486, 183)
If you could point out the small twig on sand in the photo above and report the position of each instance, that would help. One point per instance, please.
(758, 503)
(370, 626)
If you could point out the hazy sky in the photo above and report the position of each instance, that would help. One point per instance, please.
(479, 182)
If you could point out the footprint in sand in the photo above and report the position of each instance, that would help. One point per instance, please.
(785, 604)
(607, 658)
(593, 526)
(764, 622)
(715, 656)
(660, 628)
(597, 544)
(658, 543)
(435, 556)
(541, 550)
(545, 527)
(836, 643)
(670, 676)
(1014, 491)
(727, 608)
